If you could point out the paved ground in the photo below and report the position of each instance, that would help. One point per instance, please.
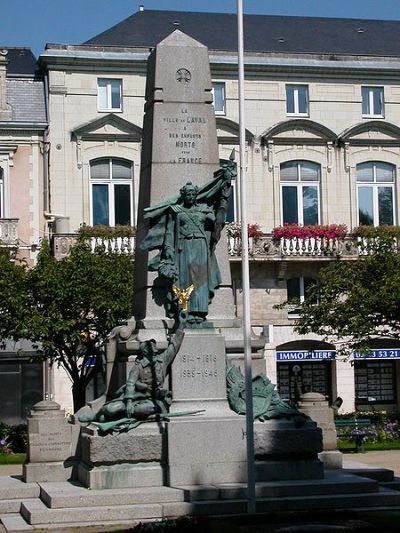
(10, 470)
(387, 459)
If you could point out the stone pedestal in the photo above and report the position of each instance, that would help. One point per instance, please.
(286, 450)
(317, 408)
(124, 460)
(210, 447)
(50, 444)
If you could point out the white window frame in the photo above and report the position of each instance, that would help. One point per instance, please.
(370, 89)
(296, 101)
(111, 197)
(109, 95)
(222, 85)
(374, 185)
(300, 184)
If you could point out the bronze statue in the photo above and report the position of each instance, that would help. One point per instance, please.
(143, 395)
(267, 402)
(185, 230)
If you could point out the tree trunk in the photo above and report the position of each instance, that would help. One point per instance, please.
(78, 395)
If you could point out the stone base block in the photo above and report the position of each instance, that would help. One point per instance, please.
(281, 438)
(289, 470)
(146, 443)
(204, 451)
(122, 476)
(332, 460)
(40, 472)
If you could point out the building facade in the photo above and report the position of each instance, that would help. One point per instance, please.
(323, 147)
(23, 199)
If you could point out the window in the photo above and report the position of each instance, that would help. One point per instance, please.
(303, 376)
(372, 101)
(375, 382)
(375, 188)
(300, 192)
(109, 94)
(297, 291)
(111, 183)
(218, 92)
(297, 99)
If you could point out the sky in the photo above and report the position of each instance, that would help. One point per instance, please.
(33, 23)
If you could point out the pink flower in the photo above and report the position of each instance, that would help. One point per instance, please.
(316, 231)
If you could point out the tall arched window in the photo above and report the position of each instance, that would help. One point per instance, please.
(300, 192)
(375, 191)
(111, 187)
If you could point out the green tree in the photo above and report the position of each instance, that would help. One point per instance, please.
(67, 308)
(12, 296)
(356, 301)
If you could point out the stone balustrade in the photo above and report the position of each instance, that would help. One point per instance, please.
(264, 248)
(61, 244)
(269, 248)
(8, 232)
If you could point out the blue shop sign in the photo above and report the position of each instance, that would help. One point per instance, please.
(387, 353)
(306, 355)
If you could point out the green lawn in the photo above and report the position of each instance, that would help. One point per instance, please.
(12, 458)
(350, 446)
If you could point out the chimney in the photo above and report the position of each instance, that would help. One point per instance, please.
(5, 109)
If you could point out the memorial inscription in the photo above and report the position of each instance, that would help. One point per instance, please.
(198, 367)
(185, 130)
(199, 370)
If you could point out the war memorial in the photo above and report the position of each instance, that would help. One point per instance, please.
(169, 437)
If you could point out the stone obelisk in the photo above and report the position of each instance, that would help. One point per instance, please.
(179, 145)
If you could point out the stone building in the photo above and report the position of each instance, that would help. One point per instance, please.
(323, 147)
(23, 199)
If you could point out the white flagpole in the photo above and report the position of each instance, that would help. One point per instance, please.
(251, 508)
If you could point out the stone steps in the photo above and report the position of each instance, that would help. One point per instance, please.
(331, 484)
(383, 498)
(12, 487)
(379, 474)
(35, 512)
(63, 504)
(61, 495)
(12, 491)
(394, 485)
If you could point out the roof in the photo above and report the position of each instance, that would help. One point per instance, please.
(262, 33)
(21, 61)
(27, 100)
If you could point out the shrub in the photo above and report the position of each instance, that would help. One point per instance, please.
(13, 439)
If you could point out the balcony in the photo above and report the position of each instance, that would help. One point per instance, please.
(269, 248)
(62, 242)
(8, 232)
(265, 248)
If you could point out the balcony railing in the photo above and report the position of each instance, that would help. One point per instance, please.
(265, 248)
(8, 232)
(123, 245)
(269, 248)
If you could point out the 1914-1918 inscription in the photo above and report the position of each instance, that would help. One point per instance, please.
(198, 367)
(185, 136)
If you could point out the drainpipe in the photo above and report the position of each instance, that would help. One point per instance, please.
(46, 148)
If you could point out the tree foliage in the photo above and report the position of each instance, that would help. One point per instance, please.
(357, 301)
(67, 308)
